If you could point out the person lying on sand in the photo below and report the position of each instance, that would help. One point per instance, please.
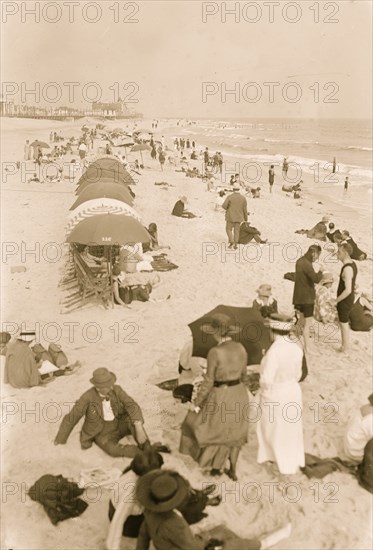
(179, 209)
(357, 254)
(317, 232)
(161, 492)
(109, 415)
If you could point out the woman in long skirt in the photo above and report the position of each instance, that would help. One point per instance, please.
(216, 428)
(280, 427)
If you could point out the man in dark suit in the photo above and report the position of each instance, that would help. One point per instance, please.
(235, 206)
(304, 288)
(109, 415)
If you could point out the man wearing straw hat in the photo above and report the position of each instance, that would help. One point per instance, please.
(109, 415)
(21, 368)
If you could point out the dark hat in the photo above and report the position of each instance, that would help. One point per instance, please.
(161, 490)
(102, 377)
(219, 321)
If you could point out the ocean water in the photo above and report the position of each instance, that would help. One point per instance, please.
(304, 141)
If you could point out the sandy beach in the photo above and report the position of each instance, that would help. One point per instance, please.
(142, 344)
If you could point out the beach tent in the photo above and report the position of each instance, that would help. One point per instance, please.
(252, 332)
(102, 190)
(96, 207)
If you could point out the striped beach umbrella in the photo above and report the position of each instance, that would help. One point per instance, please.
(106, 190)
(97, 207)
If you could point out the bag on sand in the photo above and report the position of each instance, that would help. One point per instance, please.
(141, 293)
(58, 356)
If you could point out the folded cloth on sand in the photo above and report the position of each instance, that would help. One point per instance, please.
(321, 467)
(162, 264)
(59, 497)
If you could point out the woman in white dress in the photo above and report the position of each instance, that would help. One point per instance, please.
(280, 427)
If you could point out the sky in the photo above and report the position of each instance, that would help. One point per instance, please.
(180, 58)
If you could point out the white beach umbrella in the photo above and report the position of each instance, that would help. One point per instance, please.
(95, 207)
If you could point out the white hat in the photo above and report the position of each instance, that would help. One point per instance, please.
(26, 335)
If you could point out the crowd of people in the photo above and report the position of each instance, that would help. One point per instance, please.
(165, 503)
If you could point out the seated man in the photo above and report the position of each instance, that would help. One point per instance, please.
(248, 233)
(357, 254)
(109, 415)
(179, 209)
(21, 368)
(359, 431)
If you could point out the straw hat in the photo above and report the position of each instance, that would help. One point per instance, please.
(26, 335)
(325, 219)
(327, 277)
(264, 290)
(184, 199)
(102, 378)
(161, 490)
(221, 322)
(280, 322)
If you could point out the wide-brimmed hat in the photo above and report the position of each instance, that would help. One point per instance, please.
(102, 378)
(161, 490)
(327, 277)
(183, 198)
(220, 322)
(325, 219)
(264, 290)
(281, 322)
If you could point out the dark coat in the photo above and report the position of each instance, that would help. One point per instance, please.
(89, 405)
(236, 208)
(305, 280)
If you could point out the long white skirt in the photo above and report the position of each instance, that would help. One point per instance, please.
(280, 427)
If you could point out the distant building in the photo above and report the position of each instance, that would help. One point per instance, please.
(116, 109)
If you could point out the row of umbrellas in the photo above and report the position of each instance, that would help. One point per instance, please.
(103, 212)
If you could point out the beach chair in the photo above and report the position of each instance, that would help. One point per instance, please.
(84, 283)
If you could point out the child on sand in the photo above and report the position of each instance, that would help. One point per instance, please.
(265, 302)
